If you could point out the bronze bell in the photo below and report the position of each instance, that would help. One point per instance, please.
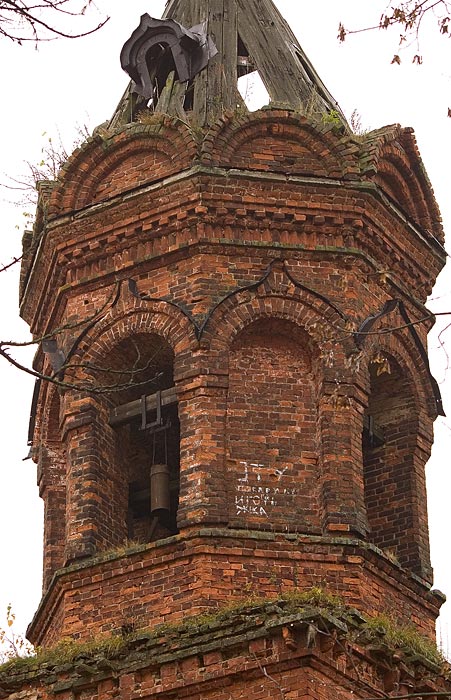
(160, 500)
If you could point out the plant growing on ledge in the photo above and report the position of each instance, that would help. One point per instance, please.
(13, 645)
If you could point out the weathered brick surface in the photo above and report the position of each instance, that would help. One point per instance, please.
(272, 454)
(165, 581)
(277, 649)
(254, 252)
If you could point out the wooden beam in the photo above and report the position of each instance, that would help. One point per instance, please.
(373, 432)
(215, 88)
(128, 411)
(286, 71)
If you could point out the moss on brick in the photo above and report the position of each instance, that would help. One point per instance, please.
(243, 620)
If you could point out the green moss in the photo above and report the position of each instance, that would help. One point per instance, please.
(66, 652)
(378, 631)
(69, 650)
(403, 637)
(291, 601)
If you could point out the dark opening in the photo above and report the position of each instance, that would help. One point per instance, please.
(160, 63)
(373, 435)
(147, 448)
(388, 442)
(245, 62)
(142, 366)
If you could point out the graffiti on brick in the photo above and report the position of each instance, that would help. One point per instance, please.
(257, 499)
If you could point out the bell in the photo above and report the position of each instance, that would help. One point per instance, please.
(159, 489)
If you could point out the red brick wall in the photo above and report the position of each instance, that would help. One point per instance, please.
(390, 469)
(52, 489)
(263, 654)
(269, 378)
(193, 573)
(272, 453)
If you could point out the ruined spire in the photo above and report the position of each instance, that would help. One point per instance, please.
(225, 39)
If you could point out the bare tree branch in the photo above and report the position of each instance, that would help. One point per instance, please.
(409, 17)
(386, 330)
(70, 325)
(90, 388)
(14, 261)
(22, 21)
(124, 378)
(54, 153)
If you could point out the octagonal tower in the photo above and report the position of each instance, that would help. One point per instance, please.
(243, 401)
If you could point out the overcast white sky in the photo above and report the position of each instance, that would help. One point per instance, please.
(68, 82)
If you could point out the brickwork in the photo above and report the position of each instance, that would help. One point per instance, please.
(391, 469)
(278, 649)
(137, 154)
(196, 571)
(272, 454)
(234, 267)
(51, 481)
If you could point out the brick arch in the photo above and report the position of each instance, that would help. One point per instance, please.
(156, 318)
(394, 179)
(304, 309)
(403, 350)
(42, 409)
(279, 141)
(395, 447)
(52, 407)
(120, 453)
(52, 481)
(272, 456)
(280, 299)
(106, 166)
(290, 327)
(394, 163)
(399, 181)
(46, 418)
(399, 364)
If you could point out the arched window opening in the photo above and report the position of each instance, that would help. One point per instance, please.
(388, 442)
(146, 436)
(153, 461)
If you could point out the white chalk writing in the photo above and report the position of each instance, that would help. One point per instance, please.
(258, 499)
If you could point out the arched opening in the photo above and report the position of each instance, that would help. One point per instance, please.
(272, 429)
(145, 445)
(389, 441)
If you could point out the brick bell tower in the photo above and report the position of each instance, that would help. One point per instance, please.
(244, 406)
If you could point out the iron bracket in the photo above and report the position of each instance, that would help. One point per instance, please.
(159, 423)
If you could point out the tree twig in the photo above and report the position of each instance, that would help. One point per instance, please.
(15, 14)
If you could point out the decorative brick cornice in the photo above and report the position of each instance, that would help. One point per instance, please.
(258, 637)
(358, 561)
(304, 220)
